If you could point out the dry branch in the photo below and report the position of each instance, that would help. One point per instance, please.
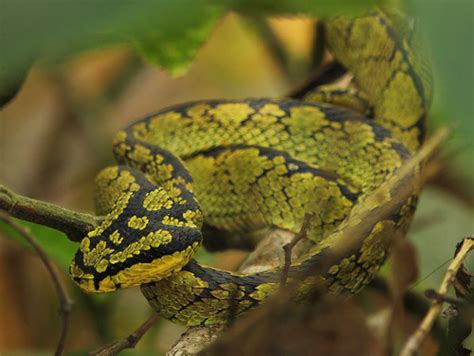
(65, 302)
(414, 342)
(128, 342)
(288, 248)
(75, 225)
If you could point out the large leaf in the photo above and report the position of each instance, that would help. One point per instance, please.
(173, 40)
(169, 32)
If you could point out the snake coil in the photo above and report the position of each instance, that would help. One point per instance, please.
(240, 165)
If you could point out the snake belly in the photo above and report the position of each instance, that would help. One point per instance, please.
(240, 165)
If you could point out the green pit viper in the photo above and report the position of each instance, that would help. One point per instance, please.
(240, 165)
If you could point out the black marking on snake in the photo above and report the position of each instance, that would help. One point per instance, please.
(399, 44)
(401, 150)
(129, 234)
(179, 243)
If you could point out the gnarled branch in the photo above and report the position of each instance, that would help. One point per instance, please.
(75, 225)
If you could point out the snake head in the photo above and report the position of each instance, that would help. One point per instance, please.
(145, 237)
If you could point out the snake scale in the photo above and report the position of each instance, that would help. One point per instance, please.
(240, 165)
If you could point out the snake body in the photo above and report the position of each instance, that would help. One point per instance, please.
(240, 165)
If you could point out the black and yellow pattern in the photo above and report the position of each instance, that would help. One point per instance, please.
(240, 165)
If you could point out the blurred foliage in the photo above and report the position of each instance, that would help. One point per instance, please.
(441, 222)
(447, 28)
(168, 33)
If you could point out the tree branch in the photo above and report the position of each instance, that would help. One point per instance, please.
(288, 248)
(414, 342)
(128, 342)
(75, 225)
(65, 302)
(442, 298)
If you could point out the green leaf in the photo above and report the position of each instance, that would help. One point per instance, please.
(54, 242)
(172, 44)
(168, 32)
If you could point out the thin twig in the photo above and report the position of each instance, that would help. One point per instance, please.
(414, 342)
(432, 294)
(75, 225)
(233, 306)
(128, 342)
(288, 248)
(65, 302)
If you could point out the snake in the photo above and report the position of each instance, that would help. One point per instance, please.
(241, 165)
